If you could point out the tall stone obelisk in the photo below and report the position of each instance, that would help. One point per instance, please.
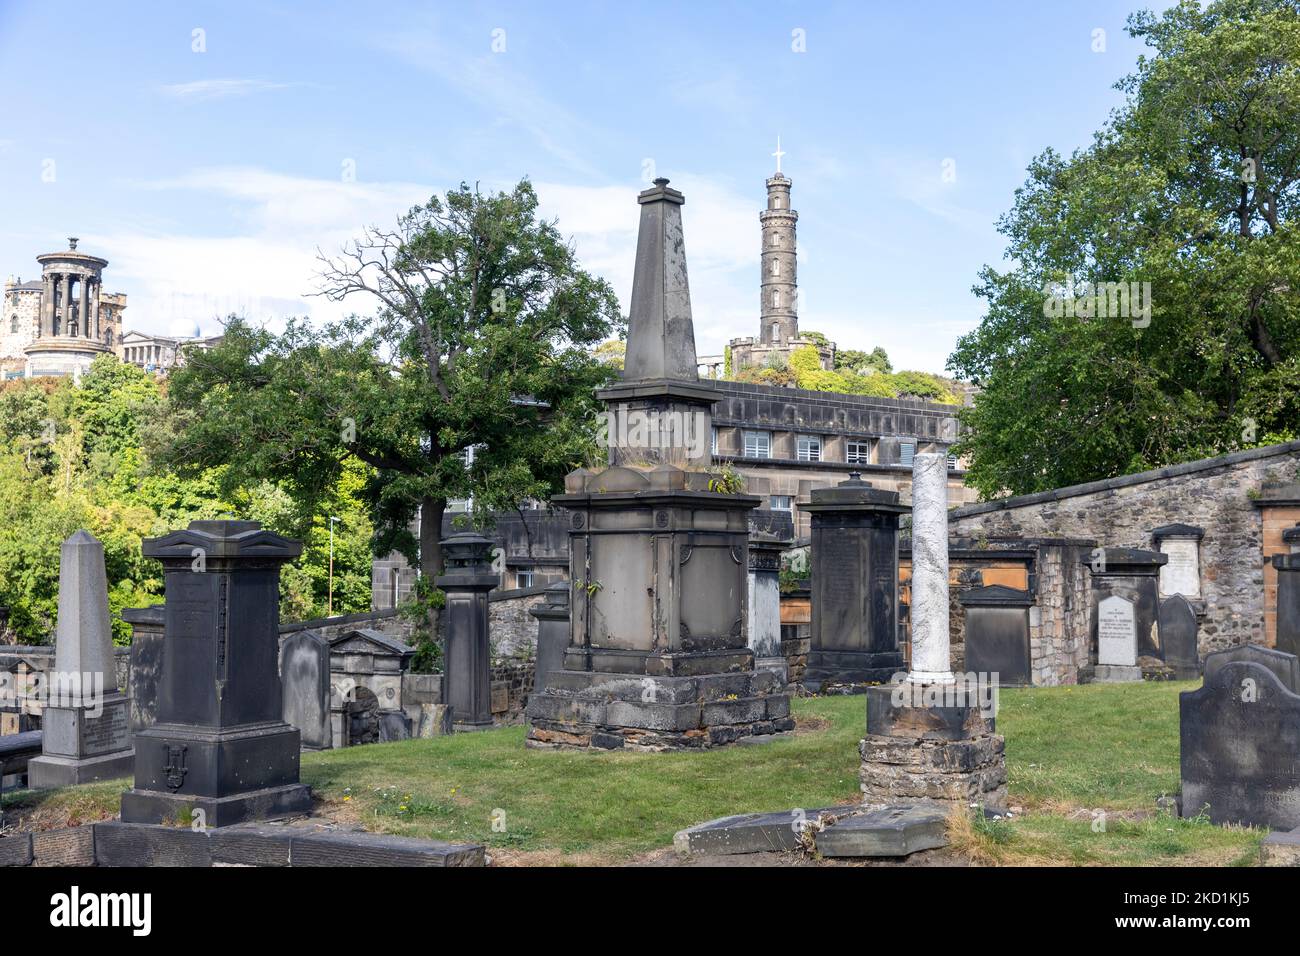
(658, 655)
(86, 720)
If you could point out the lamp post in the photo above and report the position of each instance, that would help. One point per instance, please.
(329, 609)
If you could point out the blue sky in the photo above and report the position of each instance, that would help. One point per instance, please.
(208, 179)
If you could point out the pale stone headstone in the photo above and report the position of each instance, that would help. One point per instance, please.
(86, 721)
(1116, 632)
(1182, 575)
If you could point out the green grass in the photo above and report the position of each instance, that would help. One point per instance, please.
(1071, 752)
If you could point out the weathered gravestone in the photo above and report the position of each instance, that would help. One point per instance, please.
(86, 720)
(220, 750)
(997, 633)
(770, 533)
(1239, 735)
(1181, 545)
(552, 632)
(305, 679)
(1285, 666)
(854, 572)
(1178, 630)
(467, 668)
(146, 662)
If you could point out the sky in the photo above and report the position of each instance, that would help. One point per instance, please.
(208, 150)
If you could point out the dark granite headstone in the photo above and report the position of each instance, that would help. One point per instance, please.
(997, 633)
(854, 632)
(393, 725)
(1178, 629)
(220, 750)
(1285, 666)
(1239, 735)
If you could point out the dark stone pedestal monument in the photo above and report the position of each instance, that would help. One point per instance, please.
(658, 656)
(1239, 735)
(854, 571)
(997, 633)
(1288, 595)
(1125, 608)
(220, 747)
(467, 670)
(552, 633)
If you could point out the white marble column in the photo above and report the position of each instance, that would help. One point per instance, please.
(931, 660)
(83, 308)
(65, 302)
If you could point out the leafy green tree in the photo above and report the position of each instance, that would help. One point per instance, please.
(1187, 201)
(473, 378)
(863, 363)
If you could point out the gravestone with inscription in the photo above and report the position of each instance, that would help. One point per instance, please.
(146, 662)
(1181, 545)
(86, 719)
(854, 573)
(305, 680)
(220, 751)
(1125, 608)
(1178, 630)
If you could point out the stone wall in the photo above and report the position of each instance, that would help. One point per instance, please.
(511, 629)
(1228, 496)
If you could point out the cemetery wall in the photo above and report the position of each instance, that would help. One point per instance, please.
(1231, 497)
(513, 631)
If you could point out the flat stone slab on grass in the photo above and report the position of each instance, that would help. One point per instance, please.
(890, 831)
(748, 832)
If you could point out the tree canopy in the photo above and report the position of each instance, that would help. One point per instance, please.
(1150, 311)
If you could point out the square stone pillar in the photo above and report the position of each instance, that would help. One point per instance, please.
(220, 751)
(770, 533)
(854, 573)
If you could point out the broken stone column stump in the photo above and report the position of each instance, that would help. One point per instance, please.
(948, 754)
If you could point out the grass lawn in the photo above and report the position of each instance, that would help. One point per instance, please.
(1085, 763)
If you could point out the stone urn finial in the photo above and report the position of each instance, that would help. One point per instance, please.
(72, 243)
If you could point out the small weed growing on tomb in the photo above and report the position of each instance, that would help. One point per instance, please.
(728, 481)
(591, 587)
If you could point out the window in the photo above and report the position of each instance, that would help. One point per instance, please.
(776, 267)
(810, 448)
(13, 323)
(714, 446)
(523, 579)
(906, 452)
(776, 298)
(857, 452)
(776, 239)
(783, 503)
(758, 444)
(952, 462)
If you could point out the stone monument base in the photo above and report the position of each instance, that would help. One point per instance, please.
(49, 770)
(179, 767)
(150, 806)
(79, 747)
(850, 672)
(1116, 674)
(586, 710)
(945, 754)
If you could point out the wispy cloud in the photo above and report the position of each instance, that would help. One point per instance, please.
(219, 89)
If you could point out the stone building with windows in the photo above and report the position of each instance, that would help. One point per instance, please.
(161, 353)
(59, 323)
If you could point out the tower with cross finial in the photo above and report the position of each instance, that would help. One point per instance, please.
(778, 289)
